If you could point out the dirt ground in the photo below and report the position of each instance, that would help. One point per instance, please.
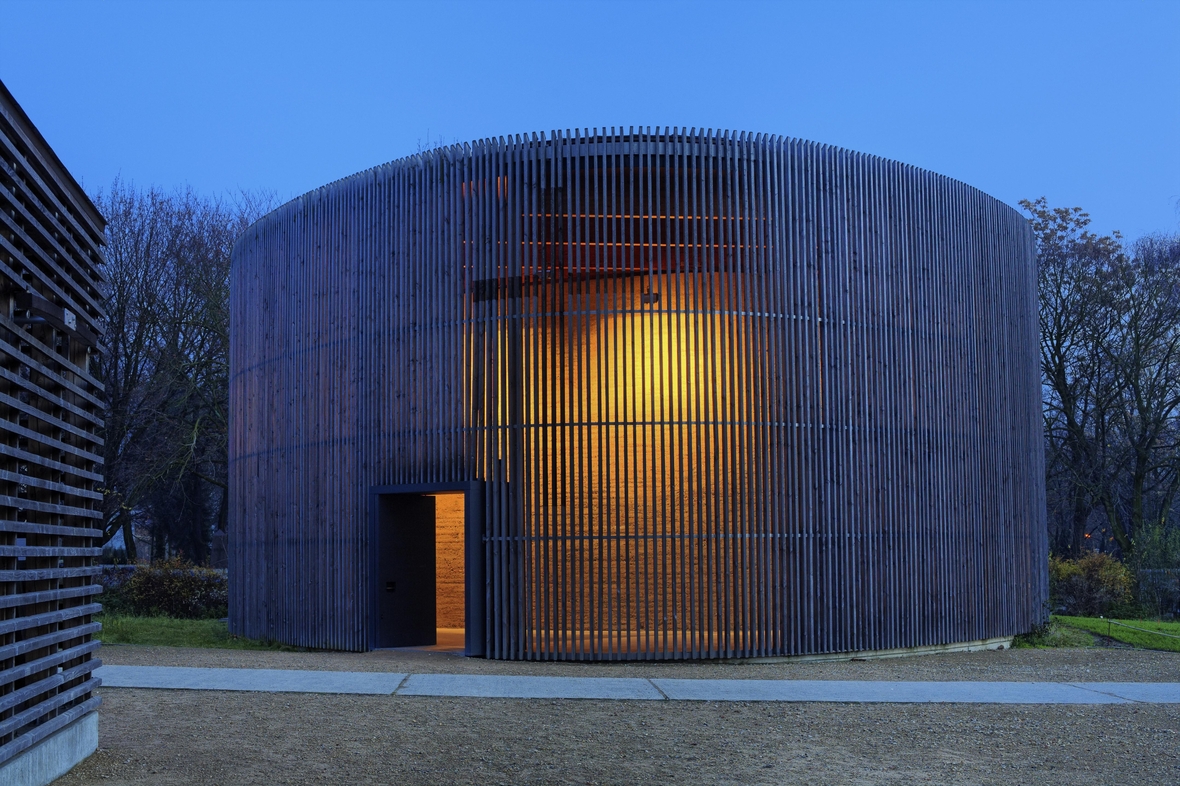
(183, 737)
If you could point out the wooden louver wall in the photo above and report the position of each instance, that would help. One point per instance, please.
(50, 459)
(728, 395)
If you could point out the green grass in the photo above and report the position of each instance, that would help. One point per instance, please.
(1054, 634)
(169, 632)
(1128, 635)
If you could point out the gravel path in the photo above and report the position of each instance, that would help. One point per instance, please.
(195, 737)
(188, 737)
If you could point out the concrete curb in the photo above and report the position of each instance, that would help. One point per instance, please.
(264, 680)
(1146, 692)
(503, 687)
(883, 692)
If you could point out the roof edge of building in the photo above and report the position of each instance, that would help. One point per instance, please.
(19, 119)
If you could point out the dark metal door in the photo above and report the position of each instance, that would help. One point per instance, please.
(405, 571)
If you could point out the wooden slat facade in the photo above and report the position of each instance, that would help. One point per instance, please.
(51, 286)
(726, 395)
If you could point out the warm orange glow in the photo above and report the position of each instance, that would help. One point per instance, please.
(448, 572)
(635, 421)
(616, 365)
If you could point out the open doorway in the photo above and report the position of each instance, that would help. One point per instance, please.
(449, 579)
(424, 539)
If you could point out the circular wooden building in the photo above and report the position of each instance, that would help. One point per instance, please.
(637, 395)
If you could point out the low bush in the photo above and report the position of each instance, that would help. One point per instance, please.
(171, 588)
(1092, 586)
(113, 578)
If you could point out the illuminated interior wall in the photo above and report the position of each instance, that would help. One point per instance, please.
(448, 565)
(624, 402)
(638, 472)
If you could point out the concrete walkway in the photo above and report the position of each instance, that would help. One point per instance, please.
(507, 687)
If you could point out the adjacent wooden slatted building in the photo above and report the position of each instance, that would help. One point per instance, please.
(51, 315)
(711, 395)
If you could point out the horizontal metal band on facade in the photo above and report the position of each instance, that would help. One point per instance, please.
(850, 429)
(882, 536)
(747, 395)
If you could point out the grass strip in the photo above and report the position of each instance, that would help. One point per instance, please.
(170, 632)
(1138, 633)
(1052, 635)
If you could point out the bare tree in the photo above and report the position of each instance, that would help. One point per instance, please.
(1141, 310)
(1077, 394)
(165, 363)
(1110, 356)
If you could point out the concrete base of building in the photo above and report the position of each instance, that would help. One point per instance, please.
(53, 756)
(999, 643)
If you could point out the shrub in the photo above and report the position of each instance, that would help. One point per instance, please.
(1157, 562)
(1091, 586)
(113, 579)
(174, 588)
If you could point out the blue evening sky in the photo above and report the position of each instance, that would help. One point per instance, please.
(1076, 101)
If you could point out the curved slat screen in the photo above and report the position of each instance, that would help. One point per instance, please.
(727, 395)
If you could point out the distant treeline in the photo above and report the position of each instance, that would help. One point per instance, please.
(1110, 354)
(1110, 359)
(165, 365)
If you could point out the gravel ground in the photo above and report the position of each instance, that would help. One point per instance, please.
(1097, 664)
(191, 737)
(196, 737)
